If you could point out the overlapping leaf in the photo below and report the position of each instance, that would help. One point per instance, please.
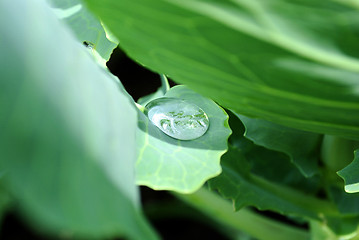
(300, 146)
(67, 131)
(255, 176)
(182, 166)
(350, 174)
(87, 28)
(291, 62)
(348, 203)
(246, 189)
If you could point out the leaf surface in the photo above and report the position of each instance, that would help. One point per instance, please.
(165, 163)
(255, 176)
(283, 61)
(67, 131)
(247, 189)
(299, 145)
(87, 28)
(348, 203)
(350, 174)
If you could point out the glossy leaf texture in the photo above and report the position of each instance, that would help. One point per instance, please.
(67, 131)
(165, 163)
(87, 28)
(299, 145)
(350, 174)
(294, 63)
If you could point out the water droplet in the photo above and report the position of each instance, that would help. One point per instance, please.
(177, 118)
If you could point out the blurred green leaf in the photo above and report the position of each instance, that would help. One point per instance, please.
(294, 63)
(67, 131)
(299, 145)
(320, 231)
(337, 152)
(334, 229)
(343, 227)
(165, 163)
(87, 28)
(348, 203)
(350, 174)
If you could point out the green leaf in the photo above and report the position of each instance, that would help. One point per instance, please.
(269, 164)
(337, 152)
(266, 179)
(67, 131)
(319, 231)
(344, 227)
(348, 203)
(255, 176)
(300, 146)
(350, 174)
(294, 63)
(334, 229)
(247, 189)
(165, 163)
(87, 28)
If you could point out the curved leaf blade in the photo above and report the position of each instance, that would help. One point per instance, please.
(350, 174)
(247, 189)
(259, 58)
(299, 145)
(165, 163)
(67, 131)
(256, 176)
(348, 203)
(87, 28)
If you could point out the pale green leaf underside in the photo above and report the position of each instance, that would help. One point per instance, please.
(350, 174)
(165, 163)
(283, 61)
(67, 131)
(85, 26)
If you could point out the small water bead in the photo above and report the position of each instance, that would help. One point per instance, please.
(177, 118)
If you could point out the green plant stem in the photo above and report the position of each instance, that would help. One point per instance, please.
(306, 202)
(164, 84)
(337, 152)
(140, 107)
(244, 220)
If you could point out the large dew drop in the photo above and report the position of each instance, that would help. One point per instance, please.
(177, 118)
